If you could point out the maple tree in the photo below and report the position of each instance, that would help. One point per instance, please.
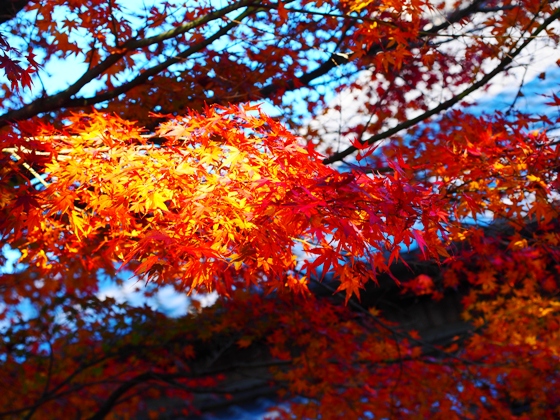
(156, 160)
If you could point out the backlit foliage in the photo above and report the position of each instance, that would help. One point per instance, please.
(178, 177)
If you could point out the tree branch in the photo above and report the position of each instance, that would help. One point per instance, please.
(337, 59)
(169, 378)
(62, 99)
(507, 60)
(181, 29)
(143, 77)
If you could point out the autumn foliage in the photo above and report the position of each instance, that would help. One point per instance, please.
(158, 162)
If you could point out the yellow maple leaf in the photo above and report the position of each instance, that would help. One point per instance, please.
(185, 169)
(156, 201)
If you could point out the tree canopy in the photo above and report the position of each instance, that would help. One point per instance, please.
(137, 142)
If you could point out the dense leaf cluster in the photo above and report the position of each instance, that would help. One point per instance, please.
(177, 177)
